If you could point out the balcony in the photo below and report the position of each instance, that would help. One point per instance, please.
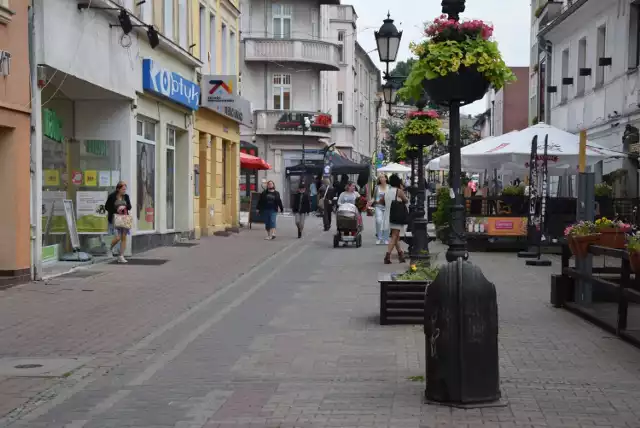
(547, 11)
(324, 56)
(289, 122)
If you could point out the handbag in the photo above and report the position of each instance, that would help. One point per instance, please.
(398, 213)
(122, 221)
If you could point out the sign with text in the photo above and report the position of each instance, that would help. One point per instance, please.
(219, 95)
(498, 226)
(173, 86)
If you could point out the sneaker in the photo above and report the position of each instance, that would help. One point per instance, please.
(122, 260)
(267, 238)
(273, 236)
(378, 242)
(386, 242)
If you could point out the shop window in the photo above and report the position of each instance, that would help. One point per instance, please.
(146, 174)
(171, 178)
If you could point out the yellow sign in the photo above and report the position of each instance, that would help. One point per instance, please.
(91, 178)
(582, 154)
(51, 177)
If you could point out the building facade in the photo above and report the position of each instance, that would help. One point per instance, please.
(508, 108)
(585, 74)
(15, 125)
(223, 112)
(117, 106)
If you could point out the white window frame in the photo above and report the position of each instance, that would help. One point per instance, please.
(213, 29)
(202, 18)
(341, 35)
(281, 12)
(141, 138)
(168, 12)
(170, 148)
(583, 45)
(224, 48)
(280, 88)
(340, 110)
(601, 52)
(315, 24)
(183, 24)
(233, 57)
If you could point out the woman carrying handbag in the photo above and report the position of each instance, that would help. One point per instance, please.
(396, 216)
(118, 207)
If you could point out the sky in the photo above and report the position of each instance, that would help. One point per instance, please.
(510, 18)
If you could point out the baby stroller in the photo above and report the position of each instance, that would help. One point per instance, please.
(349, 226)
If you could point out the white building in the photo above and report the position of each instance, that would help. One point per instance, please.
(586, 77)
(299, 59)
(108, 115)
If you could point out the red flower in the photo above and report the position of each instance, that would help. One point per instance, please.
(431, 114)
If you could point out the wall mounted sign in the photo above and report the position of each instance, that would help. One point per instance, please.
(171, 85)
(51, 125)
(219, 95)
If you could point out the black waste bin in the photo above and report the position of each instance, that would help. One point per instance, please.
(461, 336)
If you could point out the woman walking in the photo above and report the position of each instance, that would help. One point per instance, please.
(382, 235)
(268, 206)
(393, 193)
(301, 208)
(118, 207)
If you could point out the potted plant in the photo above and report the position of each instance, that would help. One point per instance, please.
(422, 129)
(604, 198)
(580, 235)
(513, 196)
(612, 232)
(457, 61)
(442, 214)
(633, 247)
(418, 271)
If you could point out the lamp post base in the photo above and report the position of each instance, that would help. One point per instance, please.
(420, 240)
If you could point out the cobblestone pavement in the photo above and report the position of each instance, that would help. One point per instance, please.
(295, 342)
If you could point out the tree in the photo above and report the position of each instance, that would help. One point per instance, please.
(390, 142)
(468, 135)
(402, 70)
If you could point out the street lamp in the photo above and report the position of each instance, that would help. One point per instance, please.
(390, 93)
(388, 41)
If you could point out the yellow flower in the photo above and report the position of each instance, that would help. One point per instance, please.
(414, 268)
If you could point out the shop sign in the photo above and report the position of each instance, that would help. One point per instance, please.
(96, 147)
(169, 84)
(51, 125)
(497, 226)
(219, 95)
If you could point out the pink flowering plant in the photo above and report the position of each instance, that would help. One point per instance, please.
(582, 228)
(419, 123)
(450, 45)
(605, 224)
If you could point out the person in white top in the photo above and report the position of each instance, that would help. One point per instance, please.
(382, 234)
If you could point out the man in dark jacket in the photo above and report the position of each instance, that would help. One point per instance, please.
(328, 207)
(301, 207)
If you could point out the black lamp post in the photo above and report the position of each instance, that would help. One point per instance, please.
(388, 42)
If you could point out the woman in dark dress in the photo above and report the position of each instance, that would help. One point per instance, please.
(268, 206)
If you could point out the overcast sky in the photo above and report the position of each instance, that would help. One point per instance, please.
(511, 20)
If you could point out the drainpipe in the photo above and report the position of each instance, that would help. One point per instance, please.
(36, 154)
(492, 125)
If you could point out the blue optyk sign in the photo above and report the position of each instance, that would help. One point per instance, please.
(171, 85)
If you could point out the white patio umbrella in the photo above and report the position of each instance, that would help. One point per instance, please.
(434, 164)
(395, 168)
(476, 148)
(514, 149)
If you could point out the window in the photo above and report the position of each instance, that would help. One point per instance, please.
(341, 45)
(340, 106)
(224, 51)
(315, 26)
(183, 23)
(282, 21)
(600, 53)
(145, 11)
(582, 63)
(171, 178)
(168, 18)
(203, 33)
(634, 35)
(564, 91)
(212, 43)
(146, 175)
(233, 51)
(281, 91)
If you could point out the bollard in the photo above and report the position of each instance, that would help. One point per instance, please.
(461, 337)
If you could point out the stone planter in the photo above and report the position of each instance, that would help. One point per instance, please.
(465, 86)
(612, 238)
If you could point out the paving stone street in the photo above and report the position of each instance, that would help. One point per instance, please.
(240, 332)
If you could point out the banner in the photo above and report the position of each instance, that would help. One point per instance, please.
(497, 226)
(91, 215)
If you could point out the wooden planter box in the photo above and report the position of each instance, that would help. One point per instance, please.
(401, 302)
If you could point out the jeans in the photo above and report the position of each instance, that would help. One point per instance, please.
(270, 217)
(381, 234)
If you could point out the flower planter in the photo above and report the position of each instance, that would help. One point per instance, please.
(417, 140)
(634, 261)
(612, 238)
(579, 245)
(465, 86)
(401, 302)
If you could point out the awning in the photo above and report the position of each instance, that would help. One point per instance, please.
(252, 162)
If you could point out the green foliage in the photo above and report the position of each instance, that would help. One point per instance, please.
(535, 120)
(419, 272)
(633, 243)
(390, 143)
(437, 59)
(468, 136)
(603, 190)
(419, 125)
(443, 210)
(513, 190)
(402, 70)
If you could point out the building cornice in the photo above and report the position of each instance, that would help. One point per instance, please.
(228, 4)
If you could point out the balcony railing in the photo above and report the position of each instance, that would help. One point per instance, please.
(547, 11)
(324, 55)
(289, 122)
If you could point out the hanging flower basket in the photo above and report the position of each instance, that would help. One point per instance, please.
(457, 61)
(421, 130)
(579, 245)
